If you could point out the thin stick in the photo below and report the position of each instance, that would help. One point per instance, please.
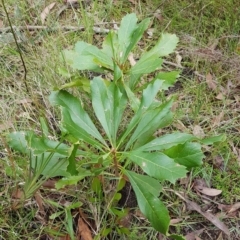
(66, 28)
(19, 50)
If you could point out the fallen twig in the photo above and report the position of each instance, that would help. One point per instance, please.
(65, 28)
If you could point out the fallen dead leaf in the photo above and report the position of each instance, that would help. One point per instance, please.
(83, 231)
(175, 221)
(218, 162)
(201, 186)
(6, 125)
(212, 192)
(234, 207)
(158, 15)
(39, 201)
(178, 59)
(194, 234)
(211, 84)
(198, 131)
(220, 96)
(46, 11)
(214, 220)
(49, 183)
(220, 237)
(217, 120)
(17, 194)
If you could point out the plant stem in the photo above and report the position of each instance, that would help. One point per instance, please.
(19, 50)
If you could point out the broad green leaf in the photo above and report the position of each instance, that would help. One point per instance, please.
(167, 141)
(157, 165)
(150, 93)
(47, 157)
(17, 141)
(165, 45)
(81, 62)
(211, 140)
(146, 65)
(75, 119)
(72, 160)
(136, 36)
(110, 45)
(87, 57)
(133, 80)
(147, 99)
(177, 237)
(188, 154)
(147, 191)
(169, 78)
(133, 100)
(44, 127)
(108, 104)
(125, 32)
(72, 180)
(151, 120)
(97, 187)
(81, 82)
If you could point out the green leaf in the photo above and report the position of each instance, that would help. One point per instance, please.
(167, 141)
(188, 154)
(72, 180)
(147, 99)
(133, 100)
(17, 141)
(146, 65)
(157, 165)
(72, 160)
(75, 119)
(81, 82)
(169, 78)
(165, 45)
(211, 140)
(108, 104)
(136, 36)
(126, 29)
(177, 237)
(147, 191)
(150, 93)
(87, 57)
(47, 157)
(44, 127)
(151, 120)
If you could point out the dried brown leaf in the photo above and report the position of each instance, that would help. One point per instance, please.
(46, 12)
(211, 84)
(17, 193)
(175, 221)
(194, 234)
(234, 207)
(220, 96)
(6, 125)
(220, 237)
(198, 131)
(212, 192)
(158, 15)
(217, 120)
(84, 232)
(213, 219)
(49, 183)
(39, 201)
